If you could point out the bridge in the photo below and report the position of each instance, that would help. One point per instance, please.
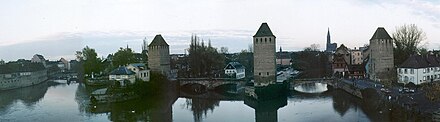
(209, 83)
(297, 82)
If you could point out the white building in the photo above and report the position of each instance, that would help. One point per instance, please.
(123, 75)
(37, 58)
(142, 72)
(419, 69)
(235, 68)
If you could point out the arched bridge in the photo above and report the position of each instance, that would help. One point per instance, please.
(209, 83)
(297, 82)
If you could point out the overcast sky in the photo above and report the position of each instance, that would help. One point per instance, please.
(56, 28)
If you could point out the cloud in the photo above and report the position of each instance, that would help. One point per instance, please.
(65, 44)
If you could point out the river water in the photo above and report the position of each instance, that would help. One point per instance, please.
(53, 102)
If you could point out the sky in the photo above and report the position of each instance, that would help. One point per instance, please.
(56, 28)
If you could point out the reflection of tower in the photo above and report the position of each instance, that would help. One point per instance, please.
(266, 110)
(264, 56)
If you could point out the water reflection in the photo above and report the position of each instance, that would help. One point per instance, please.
(53, 102)
(29, 96)
(312, 88)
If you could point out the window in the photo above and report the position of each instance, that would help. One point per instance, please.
(265, 40)
(267, 73)
(259, 74)
(424, 77)
(424, 70)
(406, 71)
(412, 71)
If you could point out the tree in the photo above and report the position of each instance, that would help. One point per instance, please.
(123, 57)
(204, 60)
(2, 61)
(408, 40)
(313, 47)
(224, 50)
(89, 58)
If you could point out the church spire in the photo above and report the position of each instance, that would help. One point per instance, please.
(328, 36)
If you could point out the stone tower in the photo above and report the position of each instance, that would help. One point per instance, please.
(381, 58)
(264, 56)
(159, 55)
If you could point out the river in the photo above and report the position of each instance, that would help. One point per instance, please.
(52, 102)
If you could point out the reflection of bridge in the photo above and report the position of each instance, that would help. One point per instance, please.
(212, 95)
(209, 83)
(297, 82)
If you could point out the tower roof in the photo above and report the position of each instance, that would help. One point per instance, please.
(381, 33)
(264, 30)
(158, 41)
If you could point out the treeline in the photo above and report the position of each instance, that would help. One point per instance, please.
(204, 60)
(92, 64)
(312, 62)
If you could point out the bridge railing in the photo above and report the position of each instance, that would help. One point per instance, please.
(201, 79)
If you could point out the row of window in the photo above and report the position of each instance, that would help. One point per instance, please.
(432, 77)
(425, 78)
(144, 74)
(261, 40)
(435, 69)
(425, 70)
(10, 81)
(266, 73)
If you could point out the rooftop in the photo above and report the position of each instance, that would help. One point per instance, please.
(122, 71)
(158, 41)
(263, 31)
(419, 61)
(381, 33)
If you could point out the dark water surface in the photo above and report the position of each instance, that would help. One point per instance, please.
(62, 102)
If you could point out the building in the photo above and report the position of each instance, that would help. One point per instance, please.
(123, 75)
(339, 65)
(283, 58)
(356, 56)
(264, 56)
(21, 74)
(381, 57)
(235, 69)
(330, 47)
(345, 53)
(356, 71)
(37, 58)
(419, 69)
(142, 72)
(159, 55)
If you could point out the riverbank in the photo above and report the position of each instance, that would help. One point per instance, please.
(414, 103)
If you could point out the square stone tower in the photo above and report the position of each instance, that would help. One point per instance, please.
(381, 60)
(264, 56)
(159, 55)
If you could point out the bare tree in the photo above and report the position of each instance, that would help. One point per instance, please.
(408, 40)
(313, 47)
(224, 50)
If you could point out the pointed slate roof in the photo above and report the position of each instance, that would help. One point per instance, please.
(234, 65)
(381, 33)
(158, 41)
(122, 71)
(264, 30)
